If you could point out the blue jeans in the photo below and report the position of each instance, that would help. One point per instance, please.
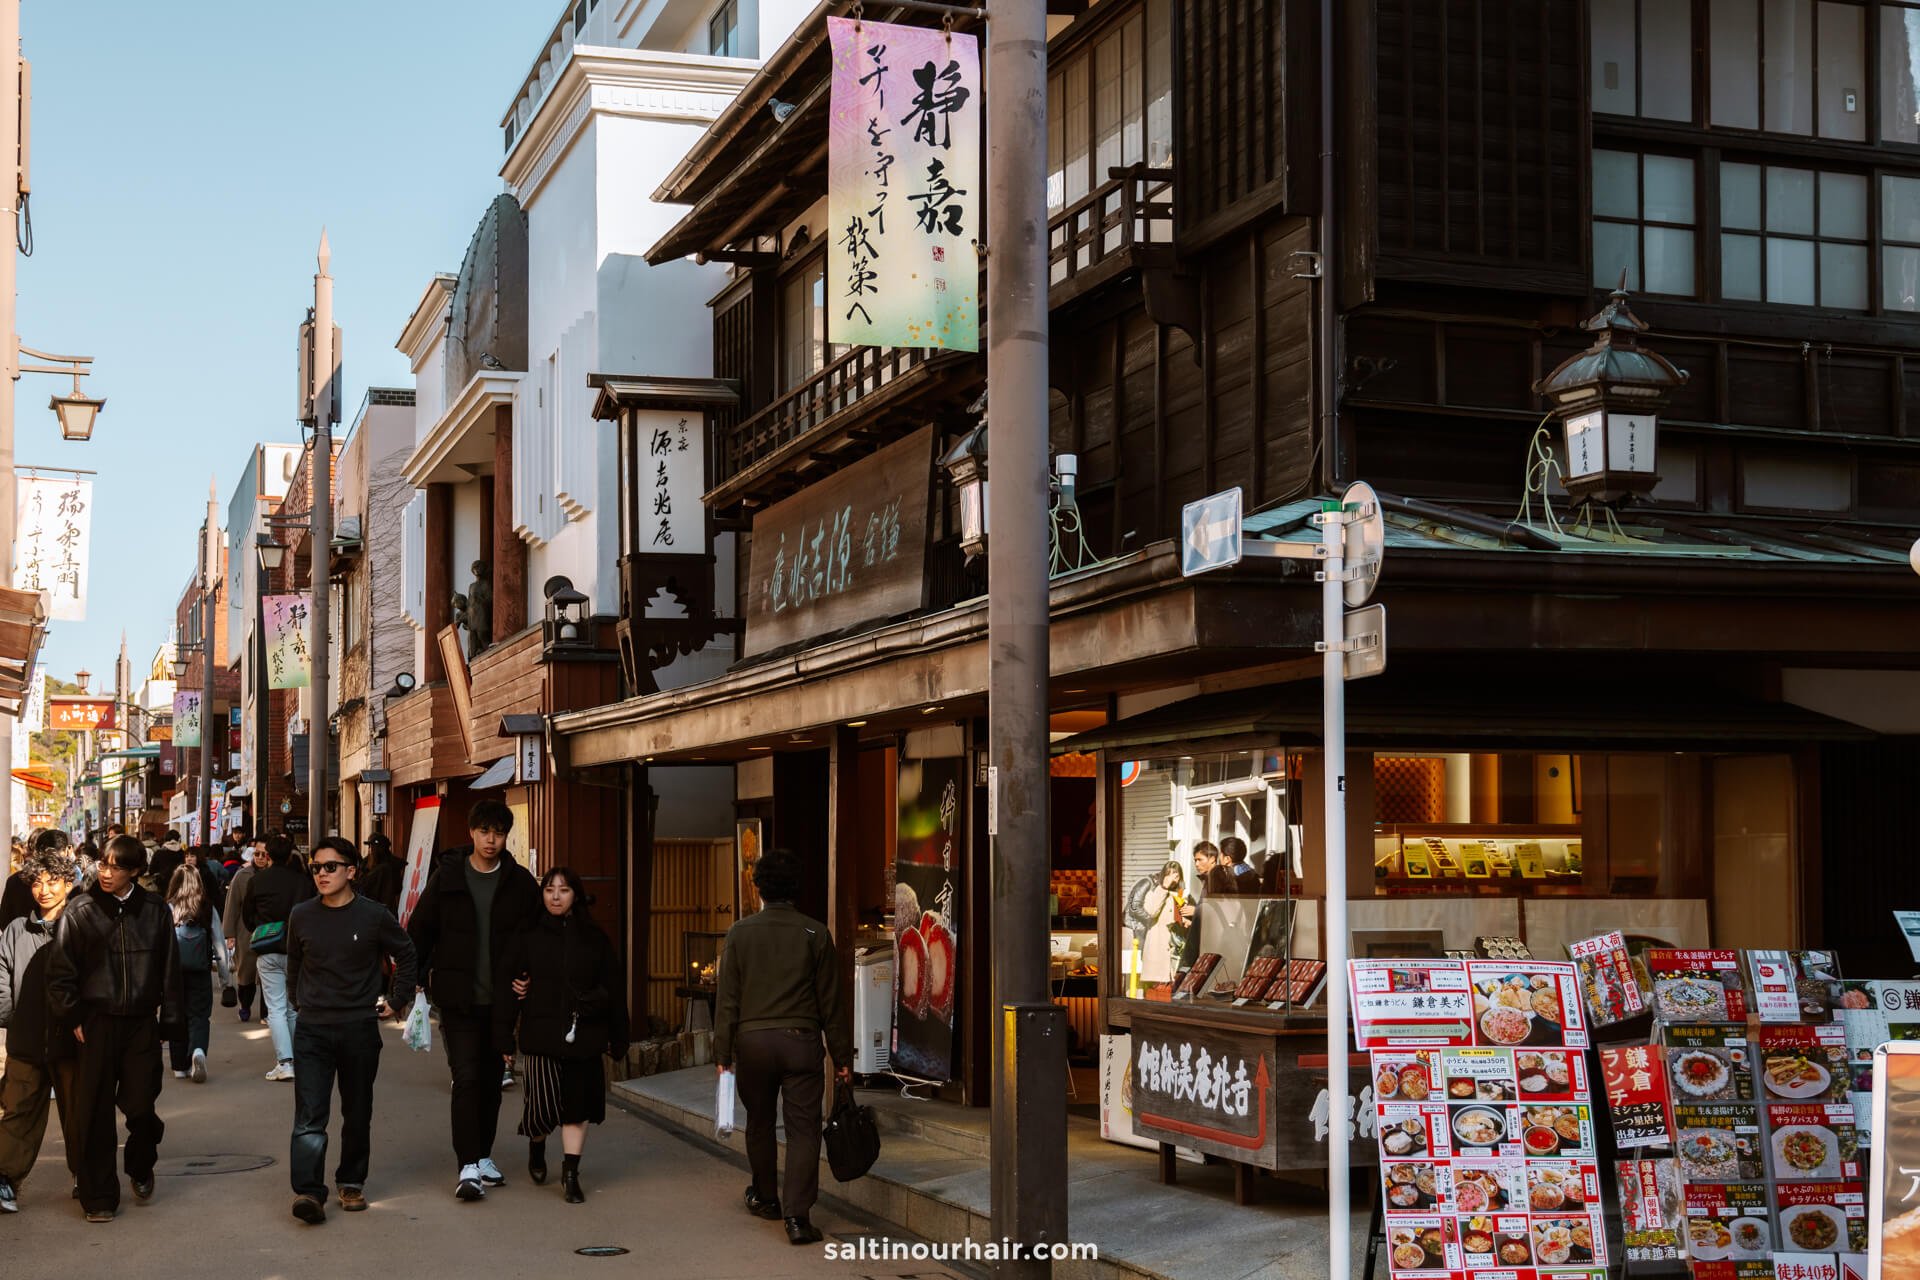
(324, 1052)
(280, 1019)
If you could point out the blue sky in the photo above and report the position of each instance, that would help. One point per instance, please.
(185, 157)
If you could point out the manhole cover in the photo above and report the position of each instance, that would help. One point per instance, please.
(197, 1166)
(600, 1251)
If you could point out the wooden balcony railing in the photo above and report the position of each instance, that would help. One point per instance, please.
(1134, 208)
(849, 377)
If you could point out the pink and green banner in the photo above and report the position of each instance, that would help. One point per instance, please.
(903, 187)
(186, 718)
(289, 664)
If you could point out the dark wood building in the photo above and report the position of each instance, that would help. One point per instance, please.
(1653, 713)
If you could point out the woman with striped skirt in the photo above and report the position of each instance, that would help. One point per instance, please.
(570, 1009)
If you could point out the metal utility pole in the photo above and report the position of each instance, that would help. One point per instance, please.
(1029, 1151)
(209, 568)
(9, 340)
(325, 379)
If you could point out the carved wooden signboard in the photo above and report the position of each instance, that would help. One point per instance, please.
(849, 549)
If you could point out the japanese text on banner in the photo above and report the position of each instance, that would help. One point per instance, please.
(671, 478)
(50, 553)
(186, 718)
(289, 663)
(903, 179)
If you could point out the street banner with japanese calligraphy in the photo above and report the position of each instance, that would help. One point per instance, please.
(186, 718)
(903, 187)
(289, 664)
(50, 547)
(671, 477)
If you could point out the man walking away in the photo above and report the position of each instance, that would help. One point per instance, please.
(383, 875)
(780, 990)
(28, 1085)
(335, 947)
(473, 904)
(277, 887)
(239, 942)
(111, 969)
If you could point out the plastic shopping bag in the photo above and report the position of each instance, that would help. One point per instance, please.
(418, 1033)
(723, 1105)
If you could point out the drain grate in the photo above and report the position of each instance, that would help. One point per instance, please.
(204, 1165)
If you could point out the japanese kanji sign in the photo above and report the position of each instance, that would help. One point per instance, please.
(78, 714)
(670, 478)
(50, 553)
(903, 187)
(186, 718)
(289, 664)
(1208, 1089)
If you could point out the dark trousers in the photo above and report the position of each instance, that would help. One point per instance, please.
(247, 993)
(322, 1053)
(199, 1016)
(782, 1065)
(477, 1068)
(117, 1066)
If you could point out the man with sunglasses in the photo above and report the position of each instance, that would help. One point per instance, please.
(335, 945)
(112, 967)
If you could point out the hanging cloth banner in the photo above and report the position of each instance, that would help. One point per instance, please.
(289, 663)
(50, 553)
(903, 187)
(186, 718)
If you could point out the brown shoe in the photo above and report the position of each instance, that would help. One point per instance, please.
(309, 1210)
(352, 1200)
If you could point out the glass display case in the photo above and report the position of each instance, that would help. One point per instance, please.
(700, 963)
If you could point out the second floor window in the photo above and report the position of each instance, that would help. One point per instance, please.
(1789, 66)
(1793, 236)
(1110, 104)
(1643, 222)
(804, 349)
(723, 30)
(1642, 58)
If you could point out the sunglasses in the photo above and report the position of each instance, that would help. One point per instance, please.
(328, 868)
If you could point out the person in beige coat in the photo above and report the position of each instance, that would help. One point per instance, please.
(239, 941)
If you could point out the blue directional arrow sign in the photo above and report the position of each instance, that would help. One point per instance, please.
(1210, 533)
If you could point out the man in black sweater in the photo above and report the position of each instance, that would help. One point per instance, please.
(335, 945)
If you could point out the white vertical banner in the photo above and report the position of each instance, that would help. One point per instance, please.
(672, 477)
(32, 717)
(50, 553)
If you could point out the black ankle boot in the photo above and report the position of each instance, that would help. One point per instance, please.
(537, 1162)
(570, 1179)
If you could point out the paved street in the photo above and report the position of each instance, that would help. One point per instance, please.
(676, 1207)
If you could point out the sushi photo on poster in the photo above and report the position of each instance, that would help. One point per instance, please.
(930, 850)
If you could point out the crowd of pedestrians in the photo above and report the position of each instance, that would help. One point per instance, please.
(107, 954)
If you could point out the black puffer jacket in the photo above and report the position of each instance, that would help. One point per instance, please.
(446, 937)
(113, 957)
(23, 987)
(572, 969)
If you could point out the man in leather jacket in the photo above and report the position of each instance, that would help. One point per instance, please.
(113, 966)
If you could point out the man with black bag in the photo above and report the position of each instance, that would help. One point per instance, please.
(779, 993)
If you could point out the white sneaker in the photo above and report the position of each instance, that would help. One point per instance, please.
(469, 1187)
(199, 1073)
(281, 1071)
(506, 1079)
(8, 1202)
(490, 1173)
(179, 1075)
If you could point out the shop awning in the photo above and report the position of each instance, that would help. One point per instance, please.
(1420, 710)
(497, 774)
(147, 752)
(33, 779)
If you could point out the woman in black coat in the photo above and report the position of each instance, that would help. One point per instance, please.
(571, 1009)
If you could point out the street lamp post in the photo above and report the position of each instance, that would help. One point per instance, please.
(323, 403)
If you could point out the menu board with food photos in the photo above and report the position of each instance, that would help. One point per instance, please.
(1822, 1217)
(1696, 986)
(1812, 1142)
(1709, 1063)
(1527, 1002)
(1729, 1231)
(1804, 1063)
(1718, 1141)
(1410, 1002)
(1488, 1158)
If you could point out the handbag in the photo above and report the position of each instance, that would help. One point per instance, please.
(269, 939)
(851, 1135)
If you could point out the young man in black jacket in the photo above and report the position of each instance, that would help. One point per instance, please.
(335, 945)
(475, 901)
(112, 968)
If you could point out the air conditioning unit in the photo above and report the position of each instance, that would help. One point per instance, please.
(872, 1009)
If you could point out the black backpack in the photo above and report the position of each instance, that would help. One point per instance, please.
(852, 1137)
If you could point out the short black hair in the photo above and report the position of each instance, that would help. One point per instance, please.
(279, 848)
(335, 844)
(1234, 847)
(490, 815)
(52, 840)
(777, 876)
(128, 854)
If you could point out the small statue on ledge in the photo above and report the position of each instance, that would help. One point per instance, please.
(479, 610)
(463, 617)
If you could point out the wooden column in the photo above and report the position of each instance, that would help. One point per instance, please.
(509, 553)
(638, 866)
(843, 819)
(438, 605)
